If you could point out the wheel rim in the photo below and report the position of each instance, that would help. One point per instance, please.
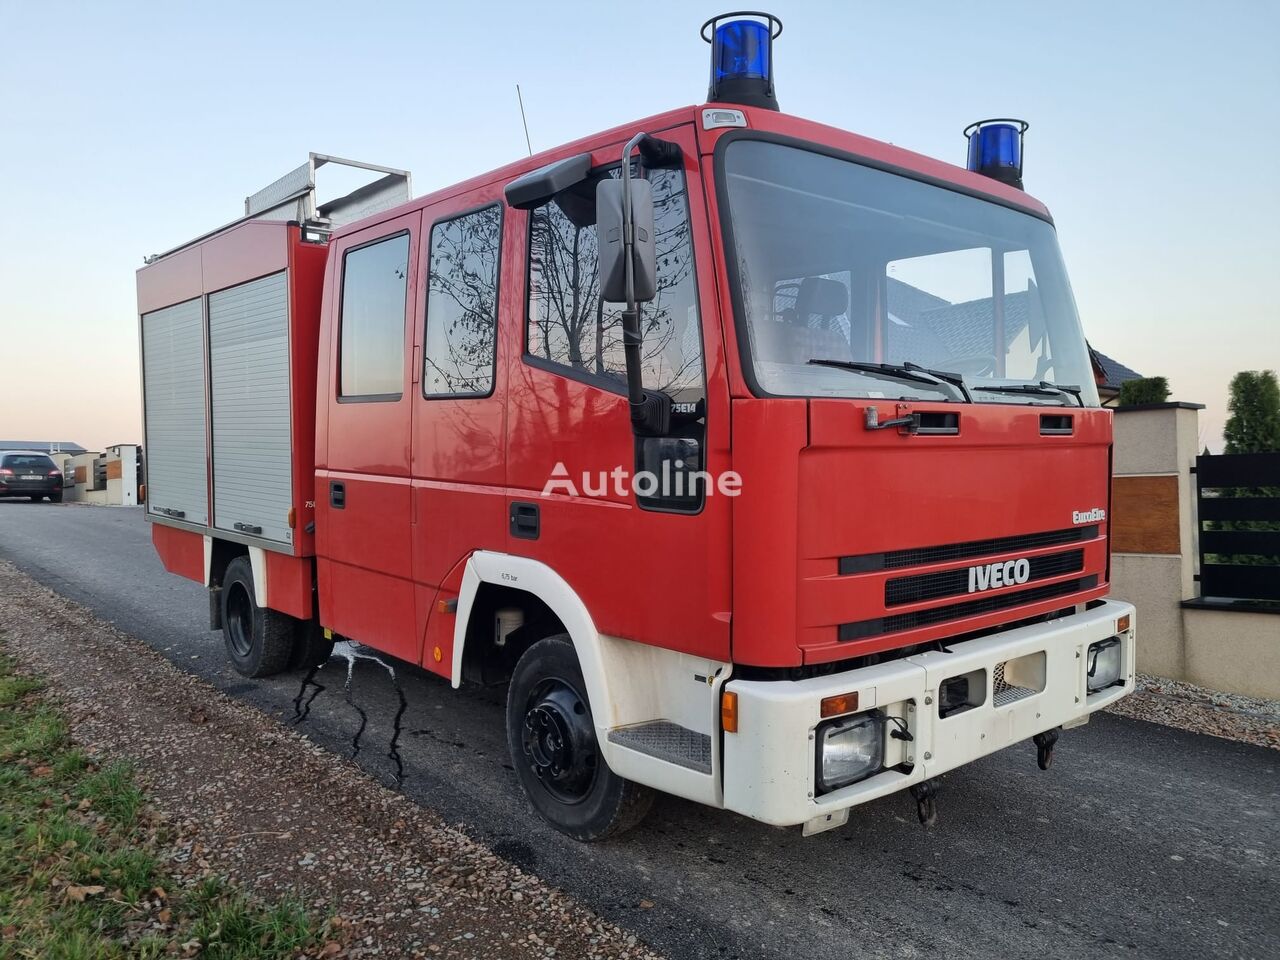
(240, 619)
(559, 743)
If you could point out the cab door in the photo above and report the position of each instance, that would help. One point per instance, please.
(648, 558)
(459, 397)
(363, 504)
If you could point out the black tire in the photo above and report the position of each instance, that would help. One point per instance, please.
(55, 497)
(310, 648)
(259, 641)
(553, 747)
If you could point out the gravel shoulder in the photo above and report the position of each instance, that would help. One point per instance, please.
(269, 810)
(1186, 706)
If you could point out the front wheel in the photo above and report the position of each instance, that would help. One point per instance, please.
(259, 640)
(555, 752)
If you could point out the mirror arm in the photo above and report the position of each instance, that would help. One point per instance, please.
(650, 409)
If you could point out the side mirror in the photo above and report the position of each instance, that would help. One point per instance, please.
(609, 237)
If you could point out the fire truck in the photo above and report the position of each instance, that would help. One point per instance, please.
(761, 461)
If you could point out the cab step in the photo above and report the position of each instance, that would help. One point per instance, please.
(667, 741)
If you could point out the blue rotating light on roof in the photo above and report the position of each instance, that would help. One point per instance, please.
(995, 149)
(742, 58)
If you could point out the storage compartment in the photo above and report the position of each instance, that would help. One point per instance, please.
(230, 330)
(249, 387)
(173, 386)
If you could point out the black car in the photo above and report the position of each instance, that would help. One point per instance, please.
(30, 475)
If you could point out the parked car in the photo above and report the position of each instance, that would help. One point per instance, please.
(33, 475)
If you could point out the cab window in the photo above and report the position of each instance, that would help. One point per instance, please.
(371, 350)
(570, 327)
(462, 305)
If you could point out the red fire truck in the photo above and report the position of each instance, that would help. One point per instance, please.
(762, 461)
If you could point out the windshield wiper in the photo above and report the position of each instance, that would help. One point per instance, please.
(1044, 389)
(900, 371)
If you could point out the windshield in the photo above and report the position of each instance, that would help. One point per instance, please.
(840, 261)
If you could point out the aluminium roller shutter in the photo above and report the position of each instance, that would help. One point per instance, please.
(174, 407)
(249, 368)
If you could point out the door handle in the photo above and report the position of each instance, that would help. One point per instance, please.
(525, 521)
(337, 494)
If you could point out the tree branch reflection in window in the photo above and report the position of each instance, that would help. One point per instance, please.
(462, 305)
(568, 322)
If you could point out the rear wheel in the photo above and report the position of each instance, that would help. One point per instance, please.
(258, 640)
(555, 752)
(55, 497)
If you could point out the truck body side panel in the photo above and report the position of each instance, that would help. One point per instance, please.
(181, 551)
(307, 268)
(289, 584)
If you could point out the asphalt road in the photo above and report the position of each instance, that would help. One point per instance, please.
(1141, 842)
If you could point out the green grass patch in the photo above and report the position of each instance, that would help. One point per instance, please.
(80, 877)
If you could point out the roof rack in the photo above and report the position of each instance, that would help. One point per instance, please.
(293, 198)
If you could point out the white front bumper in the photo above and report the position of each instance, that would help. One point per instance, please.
(769, 764)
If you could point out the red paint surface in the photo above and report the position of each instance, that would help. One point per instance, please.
(289, 581)
(181, 551)
(754, 578)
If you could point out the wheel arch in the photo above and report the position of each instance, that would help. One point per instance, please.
(551, 590)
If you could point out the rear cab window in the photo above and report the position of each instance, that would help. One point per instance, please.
(462, 305)
(371, 338)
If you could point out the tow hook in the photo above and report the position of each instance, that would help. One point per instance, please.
(1044, 747)
(926, 797)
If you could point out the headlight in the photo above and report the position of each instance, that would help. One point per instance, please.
(849, 749)
(1104, 664)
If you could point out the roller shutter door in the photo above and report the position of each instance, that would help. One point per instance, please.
(174, 406)
(249, 363)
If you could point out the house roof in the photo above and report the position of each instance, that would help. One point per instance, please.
(43, 446)
(1112, 372)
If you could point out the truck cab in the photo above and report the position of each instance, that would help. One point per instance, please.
(811, 508)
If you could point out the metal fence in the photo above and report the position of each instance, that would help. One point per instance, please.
(1238, 496)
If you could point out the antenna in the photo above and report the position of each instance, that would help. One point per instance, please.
(524, 121)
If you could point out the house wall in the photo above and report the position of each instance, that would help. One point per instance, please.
(1155, 552)
(1233, 650)
(122, 484)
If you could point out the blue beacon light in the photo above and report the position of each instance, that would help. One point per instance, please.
(742, 58)
(995, 149)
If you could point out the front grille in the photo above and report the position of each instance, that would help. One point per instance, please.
(969, 608)
(931, 586)
(920, 556)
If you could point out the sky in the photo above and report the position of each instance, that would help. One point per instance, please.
(129, 128)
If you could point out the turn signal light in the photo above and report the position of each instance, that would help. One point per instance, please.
(1122, 624)
(729, 711)
(841, 703)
